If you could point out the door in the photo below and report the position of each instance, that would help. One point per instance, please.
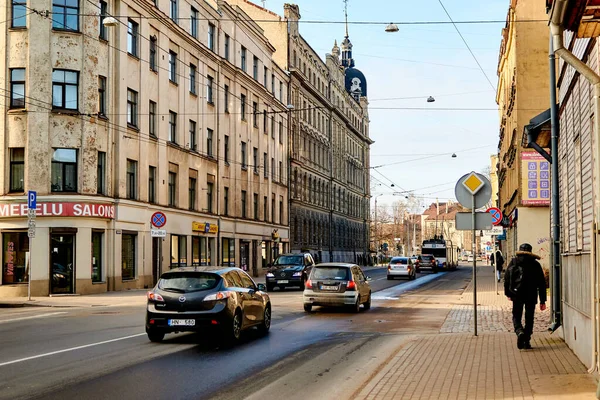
(62, 263)
(156, 256)
(244, 255)
(361, 283)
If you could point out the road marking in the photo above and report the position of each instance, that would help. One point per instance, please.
(32, 317)
(395, 291)
(69, 349)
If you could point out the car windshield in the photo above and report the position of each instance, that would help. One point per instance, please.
(427, 258)
(183, 282)
(335, 273)
(289, 260)
(399, 261)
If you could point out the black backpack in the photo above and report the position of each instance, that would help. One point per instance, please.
(516, 278)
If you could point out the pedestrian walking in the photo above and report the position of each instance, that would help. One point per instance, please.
(524, 281)
(498, 262)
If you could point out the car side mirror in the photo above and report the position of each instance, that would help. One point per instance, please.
(261, 287)
(369, 278)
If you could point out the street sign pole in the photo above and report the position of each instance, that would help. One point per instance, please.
(474, 270)
(495, 264)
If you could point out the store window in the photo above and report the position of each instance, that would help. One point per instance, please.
(195, 251)
(228, 251)
(178, 251)
(15, 247)
(97, 256)
(64, 170)
(128, 256)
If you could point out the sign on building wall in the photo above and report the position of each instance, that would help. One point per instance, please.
(205, 227)
(59, 210)
(535, 179)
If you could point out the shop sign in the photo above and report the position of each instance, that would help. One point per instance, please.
(535, 179)
(59, 210)
(205, 227)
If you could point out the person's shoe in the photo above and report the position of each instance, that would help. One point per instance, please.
(521, 340)
(527, 346)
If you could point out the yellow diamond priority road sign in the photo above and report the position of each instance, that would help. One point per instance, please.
(473, 183)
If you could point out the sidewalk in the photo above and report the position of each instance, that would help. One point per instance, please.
(454, 364)
(124, 298)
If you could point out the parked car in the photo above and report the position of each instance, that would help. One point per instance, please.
(401, 266)
(289, 270)
(470, 258)
(427, 261)
(337, 285)
(195, 299)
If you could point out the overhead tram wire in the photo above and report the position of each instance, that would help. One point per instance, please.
(427, 157)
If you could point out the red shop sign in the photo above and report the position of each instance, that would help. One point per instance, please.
(60, 210)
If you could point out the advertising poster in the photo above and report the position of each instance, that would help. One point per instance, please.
(535, 179)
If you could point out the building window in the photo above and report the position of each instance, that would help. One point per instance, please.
(173, 127)
(226, 98)
(244, 159)
(265, 212)
(102, 95)
(281, 209)
(272, 207)
(243, 204)
(132, 111)
(281, 91)
(226, 151)
(209, 197)
(132, 37)
(255, 114)
(178, 251)
(65, 89)
(273, 168)
(192, 143)
(228, 251)
(209, 89)
(227, 47)
(211, 37)
(209, 142)
(265, 122)
(153, 66)
(173, 66)
(19, 12)
(172, 189)
(65, 15)
(17, 88)
(173, 10)
(265, 72)
(17, 169)
(152, 118)
(64, 170)
(243, 65)
(128, 256)
(266, 165)
(97, 239)
(15, 246)
(243, 106)
(255, 68)
(281, 171)
(256, 206)
(193, 88)
(152, 185)
(273, 126)
(273, 84)
(281, 132)
(194, 22)
(225, 200)
(131, 180)
(103, 34)
(192, 193)
(101, 173)
(255, 160)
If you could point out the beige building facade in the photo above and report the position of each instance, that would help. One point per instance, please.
(183, 116)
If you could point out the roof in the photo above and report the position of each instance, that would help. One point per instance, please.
(334, 264)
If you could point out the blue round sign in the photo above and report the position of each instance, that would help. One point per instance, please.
(158, 219)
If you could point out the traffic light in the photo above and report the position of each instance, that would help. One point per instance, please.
(385, 247)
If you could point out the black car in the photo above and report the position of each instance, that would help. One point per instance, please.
(196, 299)
(289, 270)
(427, 261)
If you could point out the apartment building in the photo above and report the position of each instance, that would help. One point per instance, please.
(177, 109)
(329, 141)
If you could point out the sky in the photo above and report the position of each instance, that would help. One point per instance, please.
(417, 62)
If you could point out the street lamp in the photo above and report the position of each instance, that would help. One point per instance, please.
(110, 21)
(430, 99)
(391, 28)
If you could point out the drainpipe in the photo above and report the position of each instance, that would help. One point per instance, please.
(556, 30)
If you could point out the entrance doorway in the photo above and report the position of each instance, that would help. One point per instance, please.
(156, 256)
(62, 263)
(244, 255)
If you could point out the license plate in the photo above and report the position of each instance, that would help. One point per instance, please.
(284, 281)
(400, 267)
(182, 322)
(329, 288)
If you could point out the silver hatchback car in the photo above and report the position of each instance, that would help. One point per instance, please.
(337, 285)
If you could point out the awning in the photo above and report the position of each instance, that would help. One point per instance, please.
(536, 135)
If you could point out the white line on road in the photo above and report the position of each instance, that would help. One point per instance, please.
(32, 317)
(70, 349)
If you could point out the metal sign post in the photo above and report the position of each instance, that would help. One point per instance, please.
(31, 210)
(474, 268)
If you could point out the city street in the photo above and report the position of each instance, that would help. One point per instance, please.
(103, 352)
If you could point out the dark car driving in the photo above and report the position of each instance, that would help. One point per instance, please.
(196, 299)
(289, 270)
(427, 261)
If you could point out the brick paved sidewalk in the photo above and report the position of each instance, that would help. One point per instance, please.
(457, 365)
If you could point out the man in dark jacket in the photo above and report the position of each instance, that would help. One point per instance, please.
(498, 262)
(524, 281)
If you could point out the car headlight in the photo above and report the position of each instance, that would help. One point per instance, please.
(270, 275)
(297, 274)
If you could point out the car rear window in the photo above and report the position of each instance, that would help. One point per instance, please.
(399, 261)
(427, 258)
(183, 282)
(335, 273)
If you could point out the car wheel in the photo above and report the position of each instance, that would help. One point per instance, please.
(234, 330)
(303, 283)
(368, 302)
(155, 336)
(266, 323)
(308, 307)
(356, 307)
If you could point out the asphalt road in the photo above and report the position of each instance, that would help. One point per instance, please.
(103, 353)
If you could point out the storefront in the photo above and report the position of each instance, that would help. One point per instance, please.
(204, 243)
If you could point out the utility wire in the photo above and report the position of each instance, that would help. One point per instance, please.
(466, 44)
